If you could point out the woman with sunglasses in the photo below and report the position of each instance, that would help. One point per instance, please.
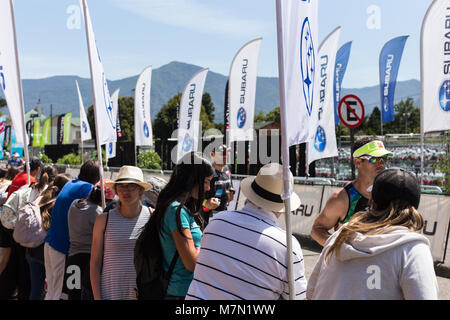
(369, 157)
(112, 272)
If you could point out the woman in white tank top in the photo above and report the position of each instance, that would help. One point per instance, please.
(112, 272)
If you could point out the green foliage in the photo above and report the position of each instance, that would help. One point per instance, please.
(71, 158)
(273, 115)
(166, 119)
(208, 107)
(406, 118)
(260, 117)
(373, 124)
(44, 158)
(149, 160)
(2, 103)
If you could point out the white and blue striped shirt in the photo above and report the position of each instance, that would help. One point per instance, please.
(243, 255)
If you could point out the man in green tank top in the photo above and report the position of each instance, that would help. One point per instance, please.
(369, 157)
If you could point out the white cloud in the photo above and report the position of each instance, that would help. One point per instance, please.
(192, 15)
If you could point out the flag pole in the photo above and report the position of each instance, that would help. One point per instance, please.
(285, 154)
(22, 117)
(97, 140)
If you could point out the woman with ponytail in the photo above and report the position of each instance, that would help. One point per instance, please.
(379, 254)
(176, 223)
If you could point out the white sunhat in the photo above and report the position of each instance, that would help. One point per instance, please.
(265, 189)
(130, 174)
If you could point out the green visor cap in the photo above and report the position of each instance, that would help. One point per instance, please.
(374, 149)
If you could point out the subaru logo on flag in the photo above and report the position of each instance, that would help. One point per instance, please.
(146, 131)
(187, 143)
(241, 117)
(308, 63)
(110, 149)
(107, 99)
(84, 127)
(444, 95)
(385, 104)
(320, 140)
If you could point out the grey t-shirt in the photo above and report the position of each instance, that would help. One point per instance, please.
(81, 218)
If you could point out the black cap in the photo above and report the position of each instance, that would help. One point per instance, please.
(395, 184)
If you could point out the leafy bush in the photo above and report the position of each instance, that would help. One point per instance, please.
(71, 158)
(44, 158)
(149, 160)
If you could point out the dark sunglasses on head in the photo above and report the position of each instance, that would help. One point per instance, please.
(375, 160)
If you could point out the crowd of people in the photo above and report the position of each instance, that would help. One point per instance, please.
(88, 251)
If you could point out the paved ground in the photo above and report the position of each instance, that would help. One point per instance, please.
(311, 252)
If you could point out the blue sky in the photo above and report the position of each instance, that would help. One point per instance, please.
(133, 34)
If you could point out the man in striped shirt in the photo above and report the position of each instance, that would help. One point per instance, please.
(243, 253)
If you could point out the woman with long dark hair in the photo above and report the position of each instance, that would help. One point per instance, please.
(175, 221)
(379, 254)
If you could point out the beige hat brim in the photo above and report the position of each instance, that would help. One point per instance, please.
(264, 203)
(144, 185)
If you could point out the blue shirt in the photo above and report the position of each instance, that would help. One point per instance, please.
(15, 163)
(58, 234)
(181, 277)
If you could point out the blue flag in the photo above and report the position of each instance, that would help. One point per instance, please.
(390, 57)
(339, 70)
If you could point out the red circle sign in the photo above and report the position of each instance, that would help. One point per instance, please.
(351, 111)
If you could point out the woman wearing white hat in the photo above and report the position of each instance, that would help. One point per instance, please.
(113, 276)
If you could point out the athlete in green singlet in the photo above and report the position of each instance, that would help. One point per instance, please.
(369, 157)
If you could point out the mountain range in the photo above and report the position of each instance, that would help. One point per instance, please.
(58, 94)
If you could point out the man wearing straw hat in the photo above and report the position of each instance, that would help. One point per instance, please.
(370, 157)
(244, 252)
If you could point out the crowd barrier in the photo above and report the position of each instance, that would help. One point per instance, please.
(435, 209)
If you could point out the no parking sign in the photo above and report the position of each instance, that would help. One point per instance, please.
(351, 111)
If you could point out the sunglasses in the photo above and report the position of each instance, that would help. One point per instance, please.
(375, 160)
(124, 187)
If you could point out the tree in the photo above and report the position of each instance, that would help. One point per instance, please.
(404, 109)
(260, 117)
(166, 120)
(273, 115)
(207, 112)
(209, 106)
(373, 126)
(2, 105)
